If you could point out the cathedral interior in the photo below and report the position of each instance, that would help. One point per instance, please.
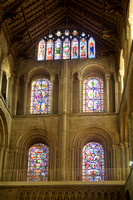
(66, 89)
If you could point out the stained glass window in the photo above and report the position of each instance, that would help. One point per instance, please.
(58, 49)
(93, 162)
(41, 50)
(74, 49)
(93, 95)
(38, 163)
(49, 53)
(83, 48)
(91, 48)
(66, 49)
(40, 96)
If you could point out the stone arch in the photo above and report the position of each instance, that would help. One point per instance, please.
(29, 138)
(91, 134)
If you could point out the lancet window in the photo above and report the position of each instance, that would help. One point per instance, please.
(71, 44)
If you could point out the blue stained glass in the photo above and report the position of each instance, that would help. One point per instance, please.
(93, 162)
(74, 49)
(91, 48)
(41, 50)
(40, 96)
(58, 49)
(38, 163)
(93, 95)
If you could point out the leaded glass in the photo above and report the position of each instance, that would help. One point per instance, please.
(93, 162)
(40, 96)
(38, 163)
(93, 95)
(74, 49)
(66, 49)
(49, 53)
(41, 50)
(91, 48)
(83, 48)
(58, 49)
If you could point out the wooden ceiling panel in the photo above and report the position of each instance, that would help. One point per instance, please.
(25, 21)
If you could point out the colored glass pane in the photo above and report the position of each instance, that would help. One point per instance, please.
(93, 95)
(83, 48)
(58, 49)
(74, 48)
(41, 50)
(49, 53)
(93, 162)
(91, 48)
(66, 49)
(38, 163)
(40, 96)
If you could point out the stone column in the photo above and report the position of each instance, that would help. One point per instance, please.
(80, 92)
(71, 94)
(127, 159)
(25, 94)
(122, 161)
(52, 78)
(64, 122)
(107, 78)
(114, 162)
(7, 88)
(116, 93)
(11, 92)
(16, 84)
(59, 98)
(1, 161)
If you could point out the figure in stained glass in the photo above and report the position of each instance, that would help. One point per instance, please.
(38, 163)
(66, 49)
(93, 95)
(58, 49)
(41, 50)
(49, 53)
(74, 49)
(40, 96)
(91, 48)
(93, 162)
(83, 48)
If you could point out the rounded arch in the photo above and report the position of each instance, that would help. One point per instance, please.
(4, 138)
(91, 134)
(30, 138)
(92, 68)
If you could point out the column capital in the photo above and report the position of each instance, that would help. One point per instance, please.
(107, 77)
(52, 78)
(80, 77)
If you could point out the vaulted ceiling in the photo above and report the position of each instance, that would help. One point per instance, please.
(25, 22)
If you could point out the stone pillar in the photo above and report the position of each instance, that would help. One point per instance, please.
(107, 78)
(114, 162)
(59, 98)
(71, 94)
(16, 84)
(116, 93)
(64, 122)
(25, 94)
(127, 159)
(7, 88)
(52, 78)
(1, 161)
(80, 92)
(11, 92)
(122, 161)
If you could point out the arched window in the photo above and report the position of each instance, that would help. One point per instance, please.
(40, 96)
(83, 48)
(93, 162)
(41, 50)
(58, 49)
(49, 53)
(93, 94)
(38, 163)
(74, 49)
(91, 48)
(66, 49)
